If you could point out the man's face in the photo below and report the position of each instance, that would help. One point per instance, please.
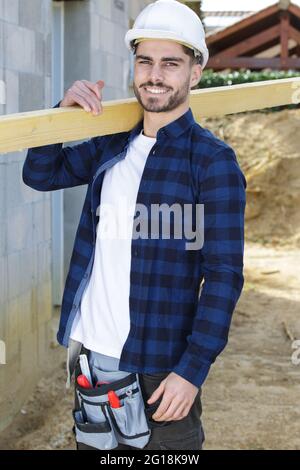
(162, 75)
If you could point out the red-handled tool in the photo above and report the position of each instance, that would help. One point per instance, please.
(113, 399)
(112, 396)
(83, 381)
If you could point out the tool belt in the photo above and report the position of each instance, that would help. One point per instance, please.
(100, 425)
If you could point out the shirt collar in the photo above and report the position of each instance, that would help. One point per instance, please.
(173, 129)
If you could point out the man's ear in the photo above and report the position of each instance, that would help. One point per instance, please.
(196, 75)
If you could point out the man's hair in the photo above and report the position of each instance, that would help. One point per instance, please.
(194, 60)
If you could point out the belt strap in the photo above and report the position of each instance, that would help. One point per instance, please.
(74, 350)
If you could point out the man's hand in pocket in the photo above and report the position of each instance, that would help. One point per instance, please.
(178, 398)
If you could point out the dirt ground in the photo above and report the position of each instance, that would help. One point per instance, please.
(250, 399)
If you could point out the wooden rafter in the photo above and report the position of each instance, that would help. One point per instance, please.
(294, 34)
(258, 52)
(240, 25)
(284, 37)
(251, 43)
(253, 63)
(294, 9)
(242, 44)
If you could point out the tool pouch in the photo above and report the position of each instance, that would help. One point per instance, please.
(103, 427)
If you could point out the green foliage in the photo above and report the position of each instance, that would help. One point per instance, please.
(212, 79)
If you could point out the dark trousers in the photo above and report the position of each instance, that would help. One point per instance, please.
(185, 434)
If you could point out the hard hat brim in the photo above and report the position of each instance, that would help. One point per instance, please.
(143, 34)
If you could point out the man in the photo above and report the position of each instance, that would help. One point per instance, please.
(133, 302)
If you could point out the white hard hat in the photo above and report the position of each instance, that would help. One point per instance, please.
(172, 20)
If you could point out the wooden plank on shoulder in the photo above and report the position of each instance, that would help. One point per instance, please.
(36, 128)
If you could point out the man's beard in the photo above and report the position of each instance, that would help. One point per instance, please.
(174, 100)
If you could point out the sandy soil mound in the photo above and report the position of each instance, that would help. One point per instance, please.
(268, 149)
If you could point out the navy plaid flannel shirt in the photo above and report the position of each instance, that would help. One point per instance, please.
(181, 301)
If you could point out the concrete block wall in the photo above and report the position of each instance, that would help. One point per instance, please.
(109, 56)
(94, 50)
(25, 214)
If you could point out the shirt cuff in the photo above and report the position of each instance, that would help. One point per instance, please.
(57, 105)
(192, 369)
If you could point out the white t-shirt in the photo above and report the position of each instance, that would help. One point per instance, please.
(102, 323)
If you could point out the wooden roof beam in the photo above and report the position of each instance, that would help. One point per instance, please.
(284, 37)
(294, 34)
(265, 49)
(252, 63)
(294, 9)
(250, 44)
(246, 22)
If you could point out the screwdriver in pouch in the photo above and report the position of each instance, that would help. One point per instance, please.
(83, 381)
(112, 396)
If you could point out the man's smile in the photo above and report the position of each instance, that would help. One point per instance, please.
(156, 90)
